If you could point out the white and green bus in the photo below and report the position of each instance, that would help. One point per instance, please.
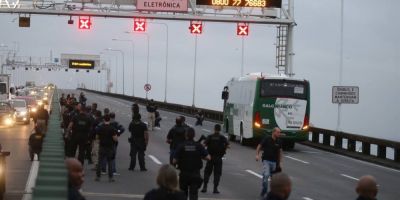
(257, 103)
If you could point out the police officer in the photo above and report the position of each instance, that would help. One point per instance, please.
(189, 157)
(138, 140)
(107, 137)
(42, 118)
(216, 146)
(151, 109)
(36, 143)
(120, 130)
(175, 137)
(80, 127)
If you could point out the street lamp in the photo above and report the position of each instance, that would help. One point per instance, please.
(166, 59)
(123, 67)
(133, 62)
(116, 72)
(148, 57)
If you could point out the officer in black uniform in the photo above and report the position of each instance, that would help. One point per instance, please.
(138, 140)
(216, 146)
(107, 137)
(175, 137)
(189, 157)
(80, 125)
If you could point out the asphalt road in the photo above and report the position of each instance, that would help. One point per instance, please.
(316, 175)
(15, 140)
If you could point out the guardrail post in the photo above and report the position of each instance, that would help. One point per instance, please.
(326, 139)
(315, 137)
(339, 142)
(381, 151)
(366, 148)
(397, 154)
(351, 145)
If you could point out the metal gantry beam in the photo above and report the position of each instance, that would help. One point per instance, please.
(182, 17)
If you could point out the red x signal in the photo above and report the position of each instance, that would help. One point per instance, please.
(242, 29)
(139, 24)
(84, 23)
(196, 27)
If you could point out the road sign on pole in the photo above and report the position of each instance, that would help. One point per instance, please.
(345, 94)
(147, 87)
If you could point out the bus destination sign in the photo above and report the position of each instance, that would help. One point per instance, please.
(242, 3)
(81, 64)
(345, 94)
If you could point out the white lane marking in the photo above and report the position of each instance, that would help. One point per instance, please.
(206, 130)
(307, 198)
(132, 196)
(155, 160)
(311, 152)
(302, 161)
(31, 179)
(367, 163)
(254, 173)
(350, 177)
(93, 194)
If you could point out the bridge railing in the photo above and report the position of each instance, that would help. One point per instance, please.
(337, 142)
(358, 145)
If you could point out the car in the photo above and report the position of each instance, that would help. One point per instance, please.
(32, 105)
(7, 114)
(21, 110)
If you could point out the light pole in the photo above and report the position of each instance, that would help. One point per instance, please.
(148, 58)
(116, 72)
(123, 67)
(242, 65)
(194, 73)
(341, 60)
(166, 60)
(133, 62)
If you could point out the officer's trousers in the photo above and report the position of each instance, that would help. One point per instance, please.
(79, 144)
(151, 119)
(190, 183)
(215, 164)
(139, 151)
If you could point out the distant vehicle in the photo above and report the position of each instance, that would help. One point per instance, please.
(31, 102)
(258, 103)
(7, 114)
(21, 110)
(30, 84)
(4, 86)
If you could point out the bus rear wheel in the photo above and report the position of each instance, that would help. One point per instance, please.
(288, 145)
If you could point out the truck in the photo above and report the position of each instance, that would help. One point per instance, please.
(4, 86)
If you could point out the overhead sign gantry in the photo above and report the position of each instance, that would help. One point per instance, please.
(241, 12)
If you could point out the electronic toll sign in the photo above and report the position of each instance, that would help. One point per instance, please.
(242, 3)
(81, 64)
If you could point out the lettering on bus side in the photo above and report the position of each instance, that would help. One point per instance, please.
(277, 106)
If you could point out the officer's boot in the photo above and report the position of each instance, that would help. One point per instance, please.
(204, 190)
(216, 183)
(216, 189)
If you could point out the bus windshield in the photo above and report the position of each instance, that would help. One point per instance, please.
(283, 88)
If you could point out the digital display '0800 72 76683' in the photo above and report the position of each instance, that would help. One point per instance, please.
(242, 3)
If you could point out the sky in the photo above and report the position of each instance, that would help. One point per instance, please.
(371, 58)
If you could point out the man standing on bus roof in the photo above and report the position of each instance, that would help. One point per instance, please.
(271, 146)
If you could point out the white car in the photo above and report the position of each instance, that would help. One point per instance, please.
(21, 110)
